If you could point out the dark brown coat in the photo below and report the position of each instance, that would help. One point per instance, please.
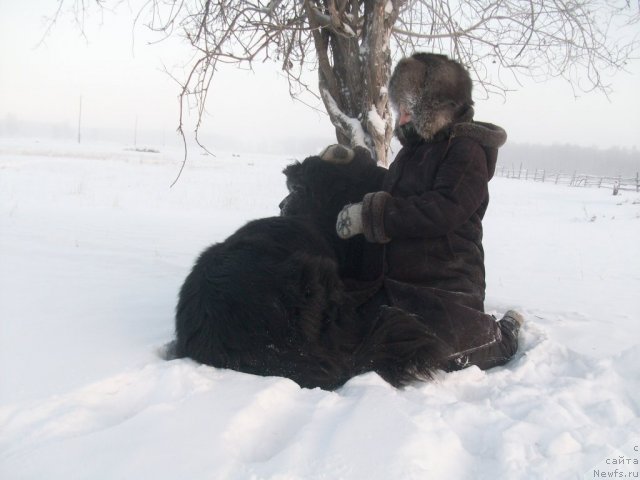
(429, 216)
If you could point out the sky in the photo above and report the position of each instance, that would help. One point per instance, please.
(126, 92)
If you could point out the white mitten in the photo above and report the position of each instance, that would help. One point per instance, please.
(349, 221)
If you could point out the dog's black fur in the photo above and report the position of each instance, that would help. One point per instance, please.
(270, 299)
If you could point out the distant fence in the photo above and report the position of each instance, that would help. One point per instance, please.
(572, 179)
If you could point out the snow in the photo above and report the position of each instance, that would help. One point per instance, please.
(94, 246)
(358, 135)
(375, 120)
(388, 7)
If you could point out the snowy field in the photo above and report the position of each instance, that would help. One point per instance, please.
(94, 247)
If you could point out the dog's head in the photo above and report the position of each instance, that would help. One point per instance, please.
(316, 188)
(321, 189)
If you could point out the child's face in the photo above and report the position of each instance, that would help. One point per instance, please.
(404, 115)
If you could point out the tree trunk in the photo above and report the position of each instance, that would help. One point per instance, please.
(376, 70)
(354, 61)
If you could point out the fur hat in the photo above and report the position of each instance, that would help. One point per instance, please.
(434, 89)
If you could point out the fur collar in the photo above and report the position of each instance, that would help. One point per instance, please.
(486, 134)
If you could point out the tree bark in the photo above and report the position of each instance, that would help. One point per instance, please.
(354, 62)
(380, 17)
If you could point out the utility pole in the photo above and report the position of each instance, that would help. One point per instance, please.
(79, 118)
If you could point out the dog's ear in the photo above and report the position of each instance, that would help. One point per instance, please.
(320, 293)
(292, 170)
(293, 173)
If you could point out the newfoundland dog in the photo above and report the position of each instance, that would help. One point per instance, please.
(271, 299)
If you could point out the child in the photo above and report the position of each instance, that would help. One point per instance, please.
(427, 216)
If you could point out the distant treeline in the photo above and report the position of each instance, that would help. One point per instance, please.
(555, 158)
(570, 159)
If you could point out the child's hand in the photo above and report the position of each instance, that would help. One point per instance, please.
(349, 221)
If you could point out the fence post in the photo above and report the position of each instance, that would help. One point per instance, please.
(637, 181)
(573, 179)
(543, 175)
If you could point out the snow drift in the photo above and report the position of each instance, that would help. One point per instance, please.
(94, 246)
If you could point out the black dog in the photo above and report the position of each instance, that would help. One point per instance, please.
(270, 299)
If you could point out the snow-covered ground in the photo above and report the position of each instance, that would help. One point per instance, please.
(93, 249)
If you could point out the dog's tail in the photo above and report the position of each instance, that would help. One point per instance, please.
(401, 348)
(168, 351)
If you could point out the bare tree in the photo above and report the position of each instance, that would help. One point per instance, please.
(351, 44)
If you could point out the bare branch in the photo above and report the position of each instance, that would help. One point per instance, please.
(351, 42)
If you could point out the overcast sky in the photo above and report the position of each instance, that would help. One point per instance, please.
(121, 81)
